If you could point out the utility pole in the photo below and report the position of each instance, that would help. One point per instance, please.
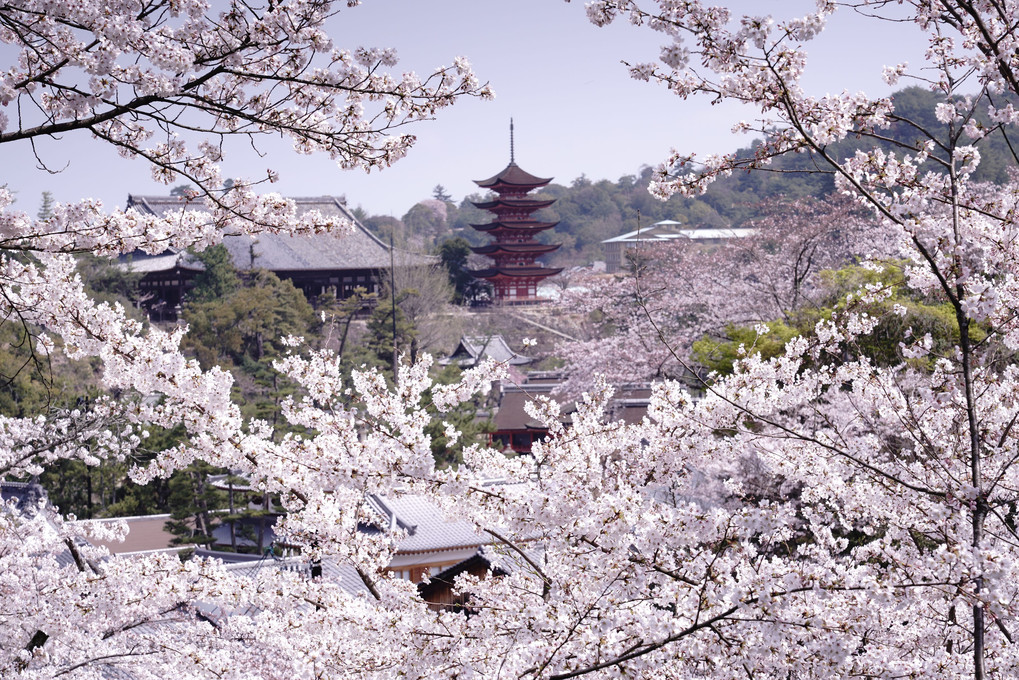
(392, 294)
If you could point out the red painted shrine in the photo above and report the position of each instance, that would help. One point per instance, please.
(514, 274)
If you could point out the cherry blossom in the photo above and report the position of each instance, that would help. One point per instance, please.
(813, 515)
(681, 291)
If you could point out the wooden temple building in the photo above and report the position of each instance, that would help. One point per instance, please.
(314, 263)
(514, 274)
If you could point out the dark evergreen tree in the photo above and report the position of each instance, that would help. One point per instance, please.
(466, 418)
(379, 348)
(454, 254)
(193, 501)
(45, 206)
(218, 279)
(439, 193)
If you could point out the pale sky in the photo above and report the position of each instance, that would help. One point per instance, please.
(575, 108)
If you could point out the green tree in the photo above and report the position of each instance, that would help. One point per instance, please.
(192, 501)
(439, 193)
(465, 418)
(109, 281)
(27, 383)
(426, 220)
(45, 206)
(900, 311)
(338, 315)
(360, 214)
(454, 254)
(248, 322)
(378, 348)
(218, 279)
(466, 214)
(33, 382)
(244, 330)
(386, 227)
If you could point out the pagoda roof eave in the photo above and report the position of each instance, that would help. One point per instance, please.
(532, 203)
(513, 176)
(515, 248)
(515, 272)
(519, 226)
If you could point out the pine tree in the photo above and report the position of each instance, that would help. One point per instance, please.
(439, 193)
(45, 206)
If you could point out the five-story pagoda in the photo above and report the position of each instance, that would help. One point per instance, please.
(514, 273)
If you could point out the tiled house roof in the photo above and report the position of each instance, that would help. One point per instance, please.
(252, 566)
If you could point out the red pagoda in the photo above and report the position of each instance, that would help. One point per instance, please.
(514, 274)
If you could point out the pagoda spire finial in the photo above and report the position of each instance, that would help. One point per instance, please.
(511, 141)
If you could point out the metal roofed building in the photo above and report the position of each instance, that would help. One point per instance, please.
(431, 543)
(314, 263)
(616, 249)
(495, 560)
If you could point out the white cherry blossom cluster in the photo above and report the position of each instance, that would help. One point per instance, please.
(911, 461)
(684, 293)
(810, 516)
(169, 83)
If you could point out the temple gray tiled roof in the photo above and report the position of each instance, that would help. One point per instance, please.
(29, 497)
(359, 249)
(475, 348)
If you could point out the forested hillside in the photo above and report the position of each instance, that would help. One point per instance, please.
(590, 211)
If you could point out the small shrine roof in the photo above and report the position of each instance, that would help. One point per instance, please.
(473, 348)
